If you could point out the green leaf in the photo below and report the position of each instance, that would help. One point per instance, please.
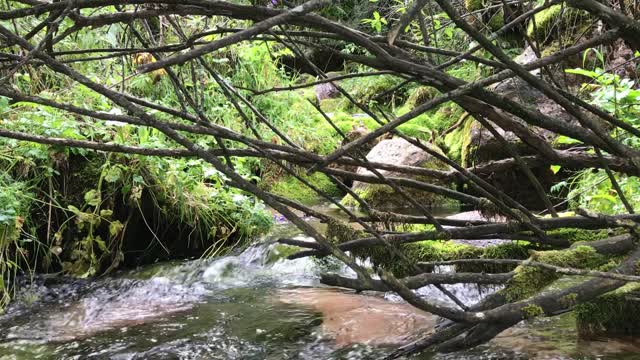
(106, 213)
(115, 228)
(587, 73)
(101, 244)
(566, 140)
(4, 103)
(92, 197)
(113, 174)
(74, 210)
(555, 168)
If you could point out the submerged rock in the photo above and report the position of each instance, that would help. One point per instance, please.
(357, 319)
(398, 151)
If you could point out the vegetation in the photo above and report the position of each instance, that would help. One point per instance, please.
(132, 132)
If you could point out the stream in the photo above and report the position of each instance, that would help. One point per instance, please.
(252, 305)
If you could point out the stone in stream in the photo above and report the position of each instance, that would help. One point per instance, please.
(359, 319)
(398, 151)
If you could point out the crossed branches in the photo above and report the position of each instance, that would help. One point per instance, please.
(298, 26)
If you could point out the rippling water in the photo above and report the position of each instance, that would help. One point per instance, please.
(229, 308)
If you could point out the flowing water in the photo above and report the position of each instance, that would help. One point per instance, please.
(251, 305)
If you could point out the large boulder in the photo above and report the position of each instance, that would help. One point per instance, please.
(398, 151)
(356, 132)
(480, 146)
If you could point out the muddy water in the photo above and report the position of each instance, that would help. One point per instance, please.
(248, 306)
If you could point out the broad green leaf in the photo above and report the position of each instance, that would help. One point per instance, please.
(92, 197)
(115, 228)
(587, 73)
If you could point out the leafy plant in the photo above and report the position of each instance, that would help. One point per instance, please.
(376, 22)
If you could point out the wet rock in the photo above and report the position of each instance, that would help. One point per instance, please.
(357, 319)
(398, 151)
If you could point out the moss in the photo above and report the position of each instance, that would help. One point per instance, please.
(575, 235)
(439, 250)
(367, 88)
(420, 95)
(528, 280)
(613, 263)
(280, 251)
(415, 130)
(291, 188)
(613, 314)
(531, 311)
(334, 105)
(546, 22)
(346, 122)
(384, 197)
(473, 5)
(496, 21)
(569, 300)
(455, 141)
(339, 232)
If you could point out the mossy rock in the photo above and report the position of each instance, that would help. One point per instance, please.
(529, 280)
(291, 188)
(496, 21)
(439, 250)
(474, 5)
(365, 89)
(575, 235)
(399, 152)
(546, 22)
(613, 314)
(456, 143)
(420, 95)
(334, 105)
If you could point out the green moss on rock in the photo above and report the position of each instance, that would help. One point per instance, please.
(547, 20)
(614, 314)
(334, 105)
(575, 235)
(473, 5)
(439, 250)
(292, 188)
(528, 280)
(457, 141)
(496, 21)
(420, 95)
(531, 311)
